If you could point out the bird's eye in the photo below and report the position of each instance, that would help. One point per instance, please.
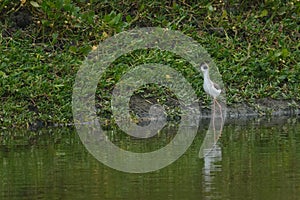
(204, 67)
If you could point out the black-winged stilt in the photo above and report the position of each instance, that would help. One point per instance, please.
(212, 89)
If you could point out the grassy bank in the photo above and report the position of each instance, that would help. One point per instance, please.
(255, 46)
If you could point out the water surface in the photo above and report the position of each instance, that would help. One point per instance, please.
(255, 159)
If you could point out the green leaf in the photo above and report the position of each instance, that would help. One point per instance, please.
(34, 4)
(210, 8)
(285, 53)
(224, 14)
(2, 74)
(128, 18)
(45, 22)
(278, 53)
(263, 13)
(72, 49)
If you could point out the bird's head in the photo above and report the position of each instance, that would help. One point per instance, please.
(204, 67)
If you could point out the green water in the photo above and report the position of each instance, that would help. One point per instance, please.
(255, 159)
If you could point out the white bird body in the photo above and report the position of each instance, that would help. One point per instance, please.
(209, 86)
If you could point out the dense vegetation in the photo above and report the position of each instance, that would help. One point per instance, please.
(254, 43)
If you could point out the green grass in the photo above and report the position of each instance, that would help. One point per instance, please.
(255, 46)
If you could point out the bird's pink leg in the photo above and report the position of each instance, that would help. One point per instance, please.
(213, 118)
(221, 114)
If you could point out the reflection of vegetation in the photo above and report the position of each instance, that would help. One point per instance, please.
(35, 138)
(43, 43)
(255, 160)
(260, 156)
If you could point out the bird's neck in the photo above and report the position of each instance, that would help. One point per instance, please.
(206, 75)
